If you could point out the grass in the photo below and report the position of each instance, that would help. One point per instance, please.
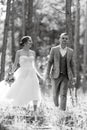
(49, 116)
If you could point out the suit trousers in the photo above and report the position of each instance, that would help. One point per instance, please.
(60, 87)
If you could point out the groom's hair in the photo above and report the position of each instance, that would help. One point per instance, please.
(63, 34)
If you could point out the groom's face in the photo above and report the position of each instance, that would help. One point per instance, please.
(64, 40)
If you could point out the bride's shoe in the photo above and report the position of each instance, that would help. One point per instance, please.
(34, 116)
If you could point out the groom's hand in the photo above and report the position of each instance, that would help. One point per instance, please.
(74, 80)
(46, 79)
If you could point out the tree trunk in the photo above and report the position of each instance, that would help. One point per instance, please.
(85, 55)
(68, 21)
(76, 43)
(13, 32)
(85, 45)
(35, 27)
(29, 26)
(4, 46)
(23, 18)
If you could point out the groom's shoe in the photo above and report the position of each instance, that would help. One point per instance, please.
(57, 104)
(62, 108)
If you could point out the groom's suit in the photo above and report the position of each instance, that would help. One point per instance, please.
(62, 70)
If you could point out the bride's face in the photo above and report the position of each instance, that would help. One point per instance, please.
(28, 44)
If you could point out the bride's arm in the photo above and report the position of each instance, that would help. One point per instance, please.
(36, 67)
(16, 61)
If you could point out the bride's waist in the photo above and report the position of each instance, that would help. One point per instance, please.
(27, 66)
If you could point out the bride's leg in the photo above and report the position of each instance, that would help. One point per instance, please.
(35, 104)
(35, 109)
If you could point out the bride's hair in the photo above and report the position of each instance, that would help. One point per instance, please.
(24, 39)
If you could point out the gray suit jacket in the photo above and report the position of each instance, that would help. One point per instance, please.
(53, 66)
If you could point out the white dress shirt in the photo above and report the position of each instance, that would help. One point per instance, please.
(63, 51)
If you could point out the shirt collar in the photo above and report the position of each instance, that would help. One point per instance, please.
(65, 49)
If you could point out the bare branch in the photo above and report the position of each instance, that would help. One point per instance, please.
(57, 9)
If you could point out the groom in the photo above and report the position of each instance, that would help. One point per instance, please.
(61, 66)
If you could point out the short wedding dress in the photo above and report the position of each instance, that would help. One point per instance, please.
(26, 85)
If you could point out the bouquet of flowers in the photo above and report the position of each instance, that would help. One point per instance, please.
(10, 76)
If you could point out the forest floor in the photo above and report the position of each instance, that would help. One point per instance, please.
(49, 117)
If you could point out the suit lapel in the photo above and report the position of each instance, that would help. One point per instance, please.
(58, 54)
(68, 54)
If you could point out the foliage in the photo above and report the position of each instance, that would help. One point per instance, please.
(49, 22)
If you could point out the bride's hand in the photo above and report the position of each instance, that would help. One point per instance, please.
(41, 76)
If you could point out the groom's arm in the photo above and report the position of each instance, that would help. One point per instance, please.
(73, 64)
(50, 62)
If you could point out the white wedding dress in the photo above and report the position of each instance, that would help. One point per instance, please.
(26, 85)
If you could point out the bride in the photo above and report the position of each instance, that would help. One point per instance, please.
(26, 85)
